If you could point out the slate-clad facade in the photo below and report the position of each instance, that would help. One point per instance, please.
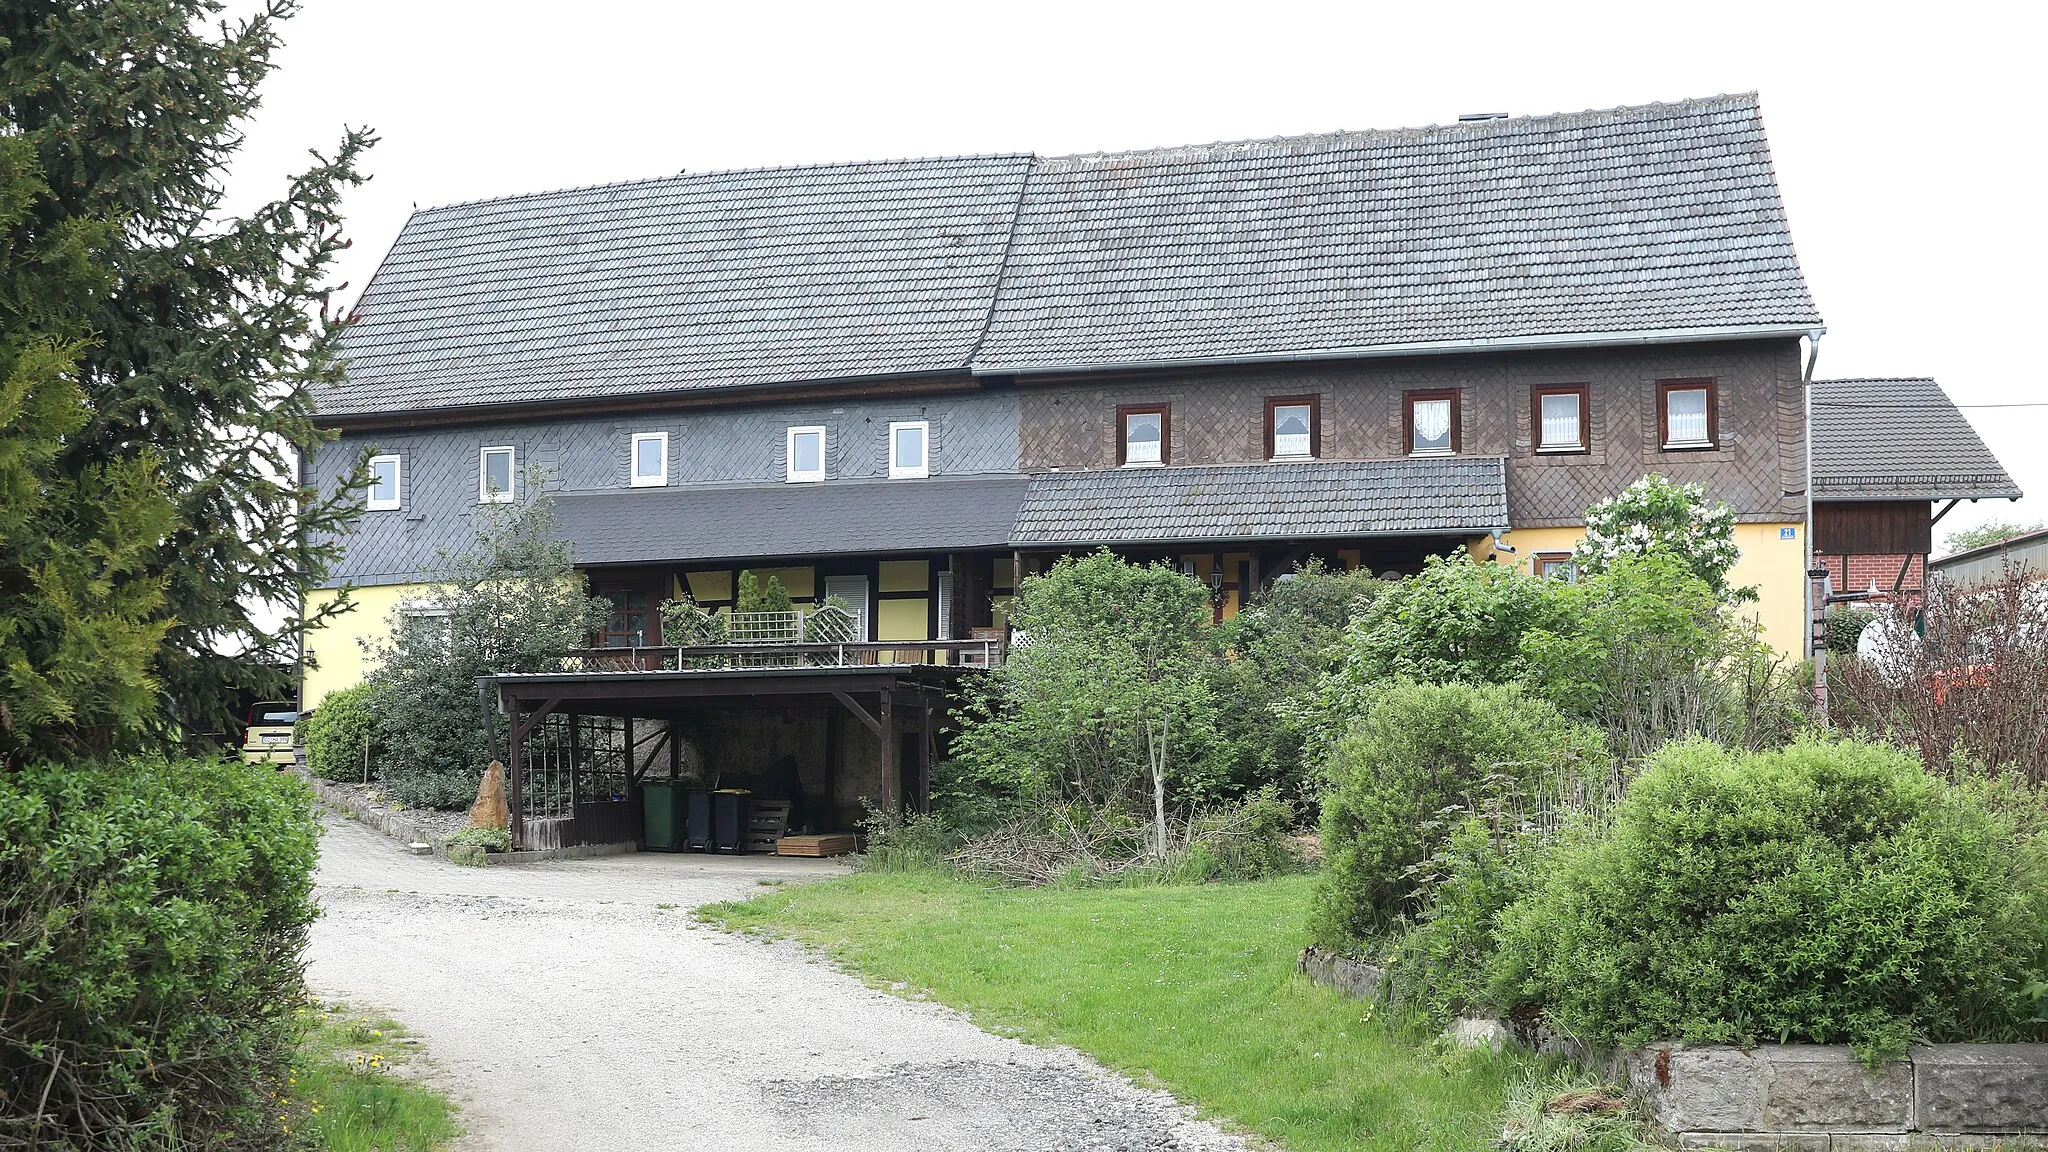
(1095, 350)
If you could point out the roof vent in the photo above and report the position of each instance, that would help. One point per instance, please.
(1478, 117)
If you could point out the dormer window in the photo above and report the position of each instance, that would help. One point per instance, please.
(650, 459)
(1292, 428)
(1685, 414)
(1431, 420)
(1144, 431)
(910, 450)
(384, 494)
(805, 455)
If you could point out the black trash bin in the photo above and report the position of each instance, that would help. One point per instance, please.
(697, 820)
(661, 816)
(732, 810)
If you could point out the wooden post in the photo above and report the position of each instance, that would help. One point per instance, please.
(516, 768)
(924, 756)
(575, 760)
(891, 772)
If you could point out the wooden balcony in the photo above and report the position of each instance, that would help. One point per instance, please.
(979, 652)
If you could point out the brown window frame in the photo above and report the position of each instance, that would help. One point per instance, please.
(1125, 411)
(649, 617)
(1408, 401)
(1315, 425)
(1538, 560)
(1585, 394)
(1664, 390)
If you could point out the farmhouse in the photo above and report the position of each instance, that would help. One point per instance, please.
(906, 384)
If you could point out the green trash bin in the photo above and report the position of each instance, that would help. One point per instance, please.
(661, 808)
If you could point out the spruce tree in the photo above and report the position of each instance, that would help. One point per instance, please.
(212, 329)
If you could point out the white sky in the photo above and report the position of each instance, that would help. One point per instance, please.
(1908, 139)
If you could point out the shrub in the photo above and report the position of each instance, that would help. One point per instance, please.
(1845, 625)
(1460, 619)
(1417, 751)
(152, 915)
(1659, 516)
(1248, 840)
(488, 839)
(1443, 964)
(1825, 893)
(341, 734)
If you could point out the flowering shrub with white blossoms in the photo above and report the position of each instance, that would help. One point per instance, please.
(1656, 514)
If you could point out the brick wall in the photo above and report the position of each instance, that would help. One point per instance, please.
(1858, 573)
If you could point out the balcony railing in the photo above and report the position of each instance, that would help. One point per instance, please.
(979, 652)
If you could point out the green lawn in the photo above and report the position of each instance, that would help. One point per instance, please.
(348, 1094)
(1192, 986)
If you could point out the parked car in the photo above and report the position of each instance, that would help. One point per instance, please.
(268, 738)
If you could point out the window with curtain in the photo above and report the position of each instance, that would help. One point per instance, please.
(1293, 428)
(1144, 436)
(1688, 415)
(1560, 419)
(1432, 423)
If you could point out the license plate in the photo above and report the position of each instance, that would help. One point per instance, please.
(277, 737)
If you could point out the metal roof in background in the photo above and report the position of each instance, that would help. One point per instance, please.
(1279, 501)
(1658, 220)
(1899, 439)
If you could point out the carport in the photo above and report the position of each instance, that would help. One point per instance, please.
(582, 742)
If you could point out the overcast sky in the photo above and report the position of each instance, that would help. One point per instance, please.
(1908, 139)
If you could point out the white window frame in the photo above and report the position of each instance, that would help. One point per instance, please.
(924, 466)
(790, 472)
(484, 495)
(397, 500)
(659, 479)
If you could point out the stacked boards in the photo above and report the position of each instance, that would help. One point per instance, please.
(829, 844)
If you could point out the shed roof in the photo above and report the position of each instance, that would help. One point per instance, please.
(1899, 439)
(701, 522)
(1655, 220)
(1280, 501)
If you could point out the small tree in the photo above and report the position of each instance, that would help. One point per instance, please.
(1107, 693)
(1656, 514)
(512, 602)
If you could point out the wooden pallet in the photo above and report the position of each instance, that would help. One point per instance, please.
(770, 821)
(830, 844)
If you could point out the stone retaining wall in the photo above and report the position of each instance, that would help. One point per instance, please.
(1351, 977)
(1819, 1098)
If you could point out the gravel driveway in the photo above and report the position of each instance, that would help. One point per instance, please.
(576, 1005)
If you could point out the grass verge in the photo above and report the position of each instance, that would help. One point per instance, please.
(348, 1093)
(1192, 987)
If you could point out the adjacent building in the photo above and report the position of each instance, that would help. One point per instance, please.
(904, 383)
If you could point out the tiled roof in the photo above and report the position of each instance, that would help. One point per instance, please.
(1265, 501)
(684, 283)
(700, 522)
(1651, 219)
(1899, 440)
(1633, 219)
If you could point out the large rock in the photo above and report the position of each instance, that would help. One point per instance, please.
(490, 809)
(1982, 1087)
(1701, 1087)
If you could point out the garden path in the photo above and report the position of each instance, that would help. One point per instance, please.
(578, 1005)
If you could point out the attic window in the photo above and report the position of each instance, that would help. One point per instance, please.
(1143, 432)
(383, 495)
(910, 449)
(806, 455)
(1431, 418)
(650, 459)
(1560, 417)
(494, 476)
(1292, 430)
(1685, 414)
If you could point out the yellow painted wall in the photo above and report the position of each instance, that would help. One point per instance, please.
(800, 583)
(338, 647)
(904, 576)
(1773, 565)
(902, 619)
(710, 585)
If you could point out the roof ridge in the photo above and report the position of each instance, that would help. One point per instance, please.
(1882, 380)
(686, 174)
(1726, 99)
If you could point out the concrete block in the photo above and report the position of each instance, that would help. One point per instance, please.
(1964, 1088)
(1822, 1087)
(1701, 1088)
(1479, 1032)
